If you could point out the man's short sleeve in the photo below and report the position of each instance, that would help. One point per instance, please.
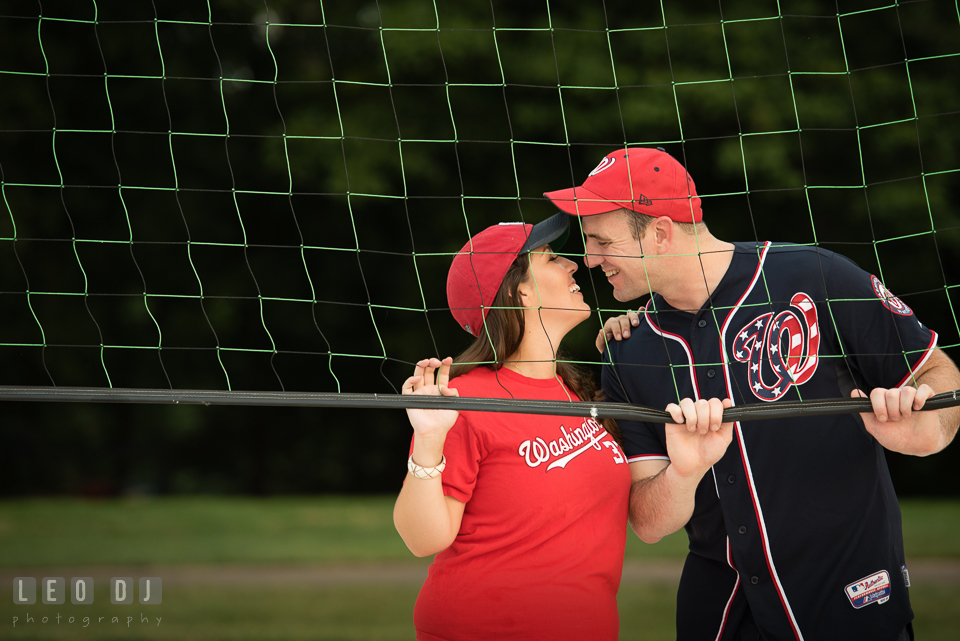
(879, 334)
(642, 441)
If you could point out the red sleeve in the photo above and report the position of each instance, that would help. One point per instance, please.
(463, 452)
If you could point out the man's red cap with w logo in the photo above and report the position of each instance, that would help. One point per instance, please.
(648, 181)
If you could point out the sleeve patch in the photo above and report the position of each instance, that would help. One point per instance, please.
(889, 301)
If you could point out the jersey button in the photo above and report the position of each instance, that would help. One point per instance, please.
(731, 479)
(754, 580)
(711, 373)
(742, 529)
(702, 323)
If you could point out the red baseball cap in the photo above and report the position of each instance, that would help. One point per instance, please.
(479, 267)
(648, 181)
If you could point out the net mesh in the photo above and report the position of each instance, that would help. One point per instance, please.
(266, 196)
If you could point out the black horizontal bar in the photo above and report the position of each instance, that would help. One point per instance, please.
(620, 411)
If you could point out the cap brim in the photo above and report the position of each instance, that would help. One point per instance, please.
(554, 231)
(578, 201)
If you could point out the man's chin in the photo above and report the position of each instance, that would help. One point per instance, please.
(624, 296)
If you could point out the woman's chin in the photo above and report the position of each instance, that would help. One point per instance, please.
(565, 320)
(577, 316)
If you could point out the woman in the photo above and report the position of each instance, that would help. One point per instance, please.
(526, 514)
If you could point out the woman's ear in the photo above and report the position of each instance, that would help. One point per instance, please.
(525, 293)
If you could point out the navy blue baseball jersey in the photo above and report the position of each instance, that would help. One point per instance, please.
(798, 522)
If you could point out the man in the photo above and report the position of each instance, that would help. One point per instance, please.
(794, 528)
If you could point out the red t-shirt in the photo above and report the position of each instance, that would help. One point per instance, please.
(539, 554)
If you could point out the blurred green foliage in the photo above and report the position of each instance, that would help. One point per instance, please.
(292, 174)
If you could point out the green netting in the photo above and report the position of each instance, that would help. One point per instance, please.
(266, 195)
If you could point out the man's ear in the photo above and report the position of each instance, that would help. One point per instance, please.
(662, 234)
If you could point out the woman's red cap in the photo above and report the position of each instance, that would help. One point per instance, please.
(479, 267)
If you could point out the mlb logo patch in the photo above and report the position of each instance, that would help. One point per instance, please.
(871, 589)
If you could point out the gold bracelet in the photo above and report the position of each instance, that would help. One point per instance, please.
(426, 472)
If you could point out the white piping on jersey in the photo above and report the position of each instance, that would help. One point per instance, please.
(733, 593)
(743, 449)
(920, 363)
(648, 457)
(696, 392)
(683, 343)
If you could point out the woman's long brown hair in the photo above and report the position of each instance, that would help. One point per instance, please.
(501, 336)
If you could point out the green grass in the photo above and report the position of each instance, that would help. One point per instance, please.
(647, 612)
(351, 613)
(59, 533)
(930, 528)
(38, 532)
(224, 612)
